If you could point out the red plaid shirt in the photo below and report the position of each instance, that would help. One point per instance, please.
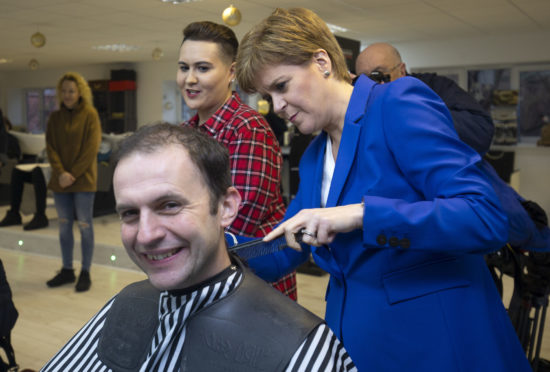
(256, 163)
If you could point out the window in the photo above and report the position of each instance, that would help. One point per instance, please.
(39, 104)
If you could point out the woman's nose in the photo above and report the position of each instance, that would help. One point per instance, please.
(191, 77)
(279, 104)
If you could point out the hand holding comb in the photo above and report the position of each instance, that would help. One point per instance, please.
(257, 247)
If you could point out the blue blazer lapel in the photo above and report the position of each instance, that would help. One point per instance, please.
(344, 161)
(317, 175)
(350, 138)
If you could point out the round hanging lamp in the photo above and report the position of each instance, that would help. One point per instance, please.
(33, 64)
(157, 54)
(38, 39)
(231, 16)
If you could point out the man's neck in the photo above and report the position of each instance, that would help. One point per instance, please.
(226, 272)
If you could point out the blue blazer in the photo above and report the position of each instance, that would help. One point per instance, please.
(410, 291)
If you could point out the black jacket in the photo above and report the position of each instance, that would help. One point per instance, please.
(472, 123)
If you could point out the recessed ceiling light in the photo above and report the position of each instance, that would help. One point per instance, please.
(5, 60)
(116, 48)
(335, 28)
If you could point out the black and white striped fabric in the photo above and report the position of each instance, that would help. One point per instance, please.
(321, 351)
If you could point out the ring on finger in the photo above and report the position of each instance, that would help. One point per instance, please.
(309, 233)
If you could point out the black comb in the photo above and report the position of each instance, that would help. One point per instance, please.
(257, 247)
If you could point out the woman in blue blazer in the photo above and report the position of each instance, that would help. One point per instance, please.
(391, 203)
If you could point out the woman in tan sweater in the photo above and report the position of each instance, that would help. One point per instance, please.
(73, 136)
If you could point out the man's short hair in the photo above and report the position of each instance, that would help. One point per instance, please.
(209, 156)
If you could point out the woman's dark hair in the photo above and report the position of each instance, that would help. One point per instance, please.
(214, 32)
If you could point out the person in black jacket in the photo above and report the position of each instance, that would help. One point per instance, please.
(8, 317)
(9, 146)
(277, 124)
(528, 225)
(473, 124)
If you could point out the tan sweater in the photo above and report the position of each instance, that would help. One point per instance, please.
(72, 143)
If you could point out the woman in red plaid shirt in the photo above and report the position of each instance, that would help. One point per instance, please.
(206, 71)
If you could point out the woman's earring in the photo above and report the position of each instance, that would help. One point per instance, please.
(326, 73)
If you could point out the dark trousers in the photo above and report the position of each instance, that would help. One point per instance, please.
(18, 179)
(8, 316)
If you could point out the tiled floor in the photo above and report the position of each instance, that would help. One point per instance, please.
(48, 317)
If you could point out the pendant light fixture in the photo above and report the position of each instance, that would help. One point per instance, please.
(231, 16)
(157, 54)
(38, 40)
(33, 64)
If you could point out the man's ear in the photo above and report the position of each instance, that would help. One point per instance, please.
(403, 69)
(229, 206)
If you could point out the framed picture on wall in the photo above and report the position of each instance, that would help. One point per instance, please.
(504, 107)
(454, 77)
(458, 74)
(482, 83)
(534, 101)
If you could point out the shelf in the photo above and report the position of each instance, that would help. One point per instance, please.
(519, 146)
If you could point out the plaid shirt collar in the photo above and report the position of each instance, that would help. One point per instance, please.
(216, 122)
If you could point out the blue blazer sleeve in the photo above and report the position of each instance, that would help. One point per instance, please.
(274, 266)
(451, 206)
(472, 123)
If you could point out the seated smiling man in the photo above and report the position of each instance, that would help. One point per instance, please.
(200, 309)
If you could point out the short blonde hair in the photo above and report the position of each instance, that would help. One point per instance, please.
(81, 84)
(287, 37)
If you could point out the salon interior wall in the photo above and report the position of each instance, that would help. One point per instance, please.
(513, 51)
(15, 83)
(150, 78)
(481, 50)
(490, 50)
(3, 99)
(153, 78)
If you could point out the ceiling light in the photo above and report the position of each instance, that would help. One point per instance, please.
(116, 48)
(157, 54)
(231, 16)
(38, 39)
(33, 64)
(335, 28)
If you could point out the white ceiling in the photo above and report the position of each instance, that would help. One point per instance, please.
(73, 27)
